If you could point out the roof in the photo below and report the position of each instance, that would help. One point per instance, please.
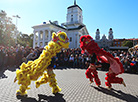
(49, 22)
(119, 48)
(125, 39)
(57, 25)
(81, 26)
(74, 6)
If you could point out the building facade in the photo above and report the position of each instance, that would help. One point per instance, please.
(73, 27)
(104, 42)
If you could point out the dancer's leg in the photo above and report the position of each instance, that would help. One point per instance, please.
(96, 78)
(89, 75)
(43, 80)
(112, 78)
(53, 81)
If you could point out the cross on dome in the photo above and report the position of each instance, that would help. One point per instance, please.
(74, 2)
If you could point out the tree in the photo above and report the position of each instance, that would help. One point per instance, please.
(25, 39)
(128, 43)
(7, 30)
(31, 40)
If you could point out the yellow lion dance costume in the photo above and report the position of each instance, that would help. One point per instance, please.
(34, 69)
(133, 49)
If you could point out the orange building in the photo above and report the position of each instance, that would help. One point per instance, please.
(119, 42)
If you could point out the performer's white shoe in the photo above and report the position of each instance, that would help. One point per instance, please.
(91, 81)
(109, 88)
(124, 83)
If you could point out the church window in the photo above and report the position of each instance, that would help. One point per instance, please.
(79, 18)
(46, 43)
(36, 36)
(46, 34)
(79, 36)
(70, 39)
(41, 44)
(71, 18)
(41, 36)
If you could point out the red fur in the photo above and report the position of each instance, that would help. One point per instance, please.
(115, 64)
(93, 74)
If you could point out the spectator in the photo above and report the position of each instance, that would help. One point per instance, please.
(61, 60)
(31, 56)
(1, 58)
(76, 61)
(133, 65)
(66, 61)
(126, 65)
(17, 54)
(71, 60)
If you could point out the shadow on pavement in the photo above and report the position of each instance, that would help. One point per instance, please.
(12, 69)
(118, 94)
(57, 98)
(61, 68)
(42, 98)
(2, 75)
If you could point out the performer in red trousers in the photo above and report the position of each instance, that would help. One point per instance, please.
(111, 77)
(116, 67)
(91, 72)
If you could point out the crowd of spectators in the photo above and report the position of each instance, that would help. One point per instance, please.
(72, 58)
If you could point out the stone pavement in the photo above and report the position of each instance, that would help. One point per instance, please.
(75, 88)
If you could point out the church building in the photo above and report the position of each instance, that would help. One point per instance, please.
(73, 27)
(104, 42)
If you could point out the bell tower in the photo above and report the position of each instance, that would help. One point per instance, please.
(74, 15)
(97, 37)
(110, 36)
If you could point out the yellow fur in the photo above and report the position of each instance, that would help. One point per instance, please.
(34, 69)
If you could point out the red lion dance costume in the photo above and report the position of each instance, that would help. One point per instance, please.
(116, 67)
(91, 72)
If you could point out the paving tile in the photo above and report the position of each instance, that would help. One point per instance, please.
(75, 88)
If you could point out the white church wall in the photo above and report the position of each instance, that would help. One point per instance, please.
(45, 30)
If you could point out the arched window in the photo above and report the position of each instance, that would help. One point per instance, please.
(36, 36)
(70, 39)
(46, 34)
(71, 18)
(80, 18)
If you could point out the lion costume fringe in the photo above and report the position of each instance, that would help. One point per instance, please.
(34, 69)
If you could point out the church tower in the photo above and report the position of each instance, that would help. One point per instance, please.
(97, 37)
(74, 16)
(110, 36)
(73, 27)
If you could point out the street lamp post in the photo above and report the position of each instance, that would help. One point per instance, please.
(133, 41)
(3, 13)
(16, 16)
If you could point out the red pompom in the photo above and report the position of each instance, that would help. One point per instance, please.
(132, 64)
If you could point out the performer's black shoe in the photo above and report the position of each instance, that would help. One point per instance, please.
(18, 95)
(98, 85)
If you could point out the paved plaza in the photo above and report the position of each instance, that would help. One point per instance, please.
(75, 88)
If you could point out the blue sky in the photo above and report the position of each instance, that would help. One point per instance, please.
(120, 15)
